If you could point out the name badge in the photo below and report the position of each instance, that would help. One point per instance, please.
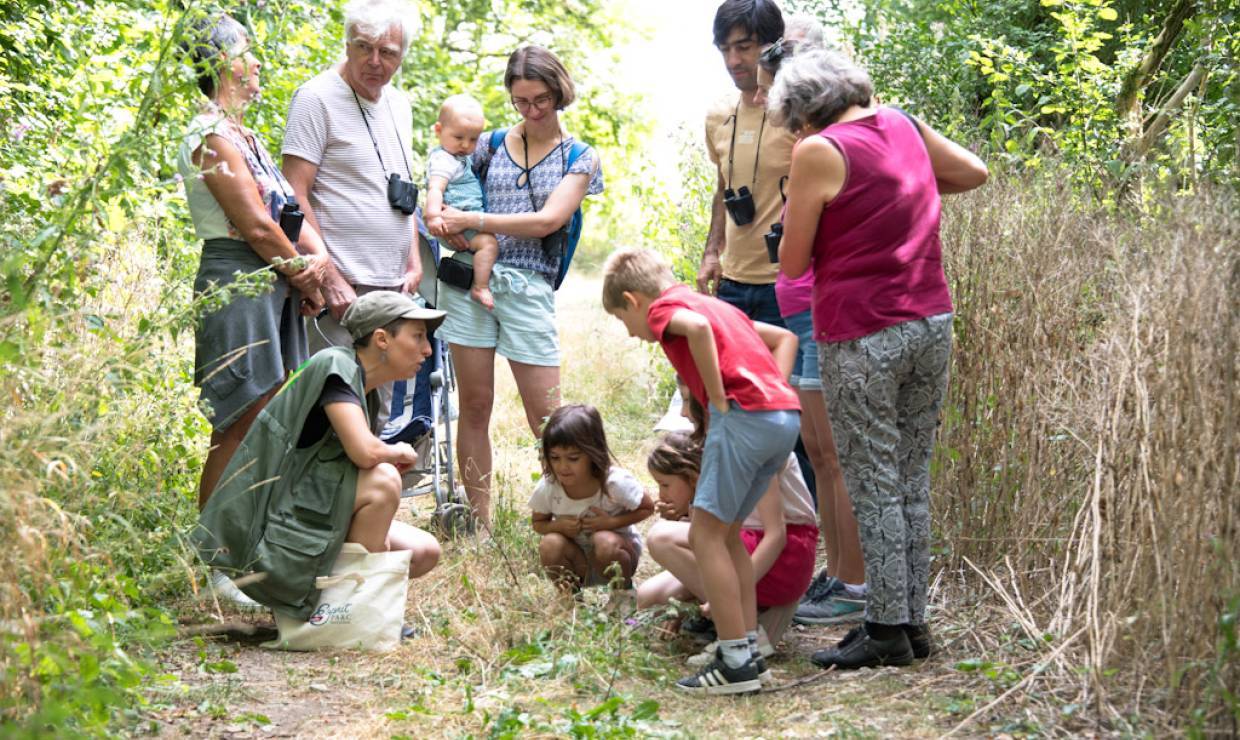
(745, 137)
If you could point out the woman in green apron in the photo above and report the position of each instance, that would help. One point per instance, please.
(312, 473)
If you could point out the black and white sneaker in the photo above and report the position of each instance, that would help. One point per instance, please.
(765, 677)
(718, 678)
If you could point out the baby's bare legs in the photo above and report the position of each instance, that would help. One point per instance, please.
(486, 250)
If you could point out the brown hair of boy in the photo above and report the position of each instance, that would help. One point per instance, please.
(631, 270)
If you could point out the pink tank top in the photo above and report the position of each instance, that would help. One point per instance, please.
(877, 258)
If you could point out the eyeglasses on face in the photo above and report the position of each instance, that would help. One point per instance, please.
(387, 53)
(542, 102)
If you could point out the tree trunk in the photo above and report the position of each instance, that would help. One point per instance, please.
(1157, 126)
(1127, 103)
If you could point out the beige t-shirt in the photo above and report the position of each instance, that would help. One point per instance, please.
(744, 254)
(367, 239)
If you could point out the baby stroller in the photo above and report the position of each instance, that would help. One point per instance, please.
(422, 415)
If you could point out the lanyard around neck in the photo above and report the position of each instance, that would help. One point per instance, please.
(528, 171)
(395, 129)
(757, 147)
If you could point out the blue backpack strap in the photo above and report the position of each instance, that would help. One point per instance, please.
(497, 136)
(574, 225)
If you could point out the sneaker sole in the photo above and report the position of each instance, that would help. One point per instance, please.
(751, 686)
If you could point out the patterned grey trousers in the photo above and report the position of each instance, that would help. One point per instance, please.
(884, 392)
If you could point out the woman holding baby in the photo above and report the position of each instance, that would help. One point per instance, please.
(532, 187)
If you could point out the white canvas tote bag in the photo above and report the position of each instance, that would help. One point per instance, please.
(362, 604)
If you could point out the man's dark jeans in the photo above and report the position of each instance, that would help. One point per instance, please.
(756, 301)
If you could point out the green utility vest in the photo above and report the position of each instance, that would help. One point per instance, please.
(283, 511)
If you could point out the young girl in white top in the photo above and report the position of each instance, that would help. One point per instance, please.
(584, 507)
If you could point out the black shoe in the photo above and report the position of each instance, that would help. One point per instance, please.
(718, 678)
(700, 628)
(919, 640)
(859, 650)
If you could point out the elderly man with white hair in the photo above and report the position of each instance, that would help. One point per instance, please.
(347, 155)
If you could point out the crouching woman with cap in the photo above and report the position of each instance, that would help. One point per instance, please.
(311, 473)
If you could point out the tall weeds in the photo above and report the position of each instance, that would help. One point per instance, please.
(99, 451)
(1088, 458)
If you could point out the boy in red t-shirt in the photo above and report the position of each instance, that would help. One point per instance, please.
(738, 370)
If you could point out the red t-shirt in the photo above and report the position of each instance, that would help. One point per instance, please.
(750, 375)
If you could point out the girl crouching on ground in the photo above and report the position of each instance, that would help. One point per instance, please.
(584, 507)
(781, 534)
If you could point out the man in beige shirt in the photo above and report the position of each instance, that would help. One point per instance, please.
(752, 156)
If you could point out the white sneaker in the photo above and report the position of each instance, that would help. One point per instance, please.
(704, 658)
(227, 591)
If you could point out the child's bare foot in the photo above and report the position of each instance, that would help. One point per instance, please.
(483, 296)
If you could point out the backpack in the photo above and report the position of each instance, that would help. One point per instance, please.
(574, 224)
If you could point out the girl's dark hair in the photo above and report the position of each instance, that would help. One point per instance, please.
(581, 426)
(540, 65)
(760, 19)
(677, 453)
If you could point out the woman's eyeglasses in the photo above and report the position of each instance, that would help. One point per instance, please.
(542, 102)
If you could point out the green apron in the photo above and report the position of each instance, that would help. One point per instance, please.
(283, 511)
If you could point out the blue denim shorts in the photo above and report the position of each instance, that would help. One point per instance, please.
(743, 451)
(805, 375)
(522, 326)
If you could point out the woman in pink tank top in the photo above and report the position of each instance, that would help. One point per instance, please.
(863, 205)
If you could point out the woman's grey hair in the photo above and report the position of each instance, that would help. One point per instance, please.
(814, 87)
(370, 19)
(208, 39)
(804, 29)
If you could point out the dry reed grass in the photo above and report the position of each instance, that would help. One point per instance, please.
(1087, 468)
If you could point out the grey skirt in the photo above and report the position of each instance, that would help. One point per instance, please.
(245, 348)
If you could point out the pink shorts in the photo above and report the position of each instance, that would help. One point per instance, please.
(792, 571)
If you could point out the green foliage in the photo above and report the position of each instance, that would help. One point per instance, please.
(1026, 80)
(607, 719)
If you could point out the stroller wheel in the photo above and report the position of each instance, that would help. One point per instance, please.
(452, 519)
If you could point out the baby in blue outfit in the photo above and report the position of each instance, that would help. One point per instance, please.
(450, 180)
